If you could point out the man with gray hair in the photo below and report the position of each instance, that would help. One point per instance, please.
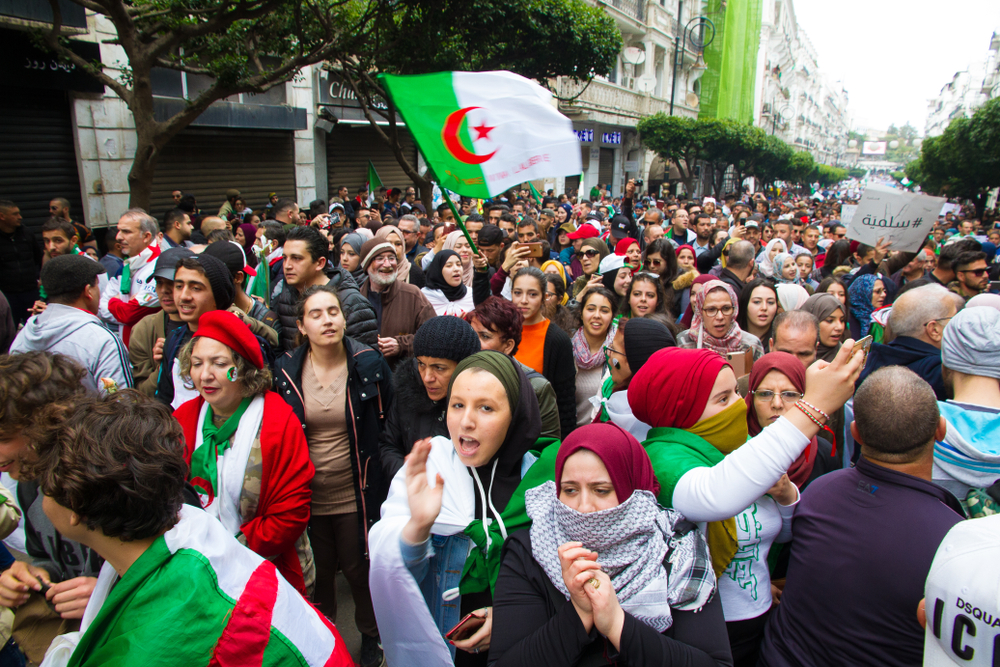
(410, 227)
(797, 333)
(132, 295)
(966, 461)
(918, 320)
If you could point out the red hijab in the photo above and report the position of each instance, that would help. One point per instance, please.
(792, 368)
(673, 387)
(689, 313)
(624, 245)
(627, 462)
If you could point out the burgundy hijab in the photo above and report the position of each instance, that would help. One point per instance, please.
(792, 368)
(627, 462)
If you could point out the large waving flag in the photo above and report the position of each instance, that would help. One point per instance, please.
(198, 598)
(483, 132)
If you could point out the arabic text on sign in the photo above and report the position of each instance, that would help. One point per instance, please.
(53, 65)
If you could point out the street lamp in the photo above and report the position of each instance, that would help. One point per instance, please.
(694, 30)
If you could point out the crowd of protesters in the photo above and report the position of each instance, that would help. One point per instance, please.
(567, 431)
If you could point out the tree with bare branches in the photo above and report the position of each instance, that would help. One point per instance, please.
(243, 46)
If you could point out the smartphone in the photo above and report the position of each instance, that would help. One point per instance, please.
(534, 250)
(864, 344)
(466, 627)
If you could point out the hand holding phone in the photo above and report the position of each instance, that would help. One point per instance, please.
(466, 627)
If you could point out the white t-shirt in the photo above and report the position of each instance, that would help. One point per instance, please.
(745, 586)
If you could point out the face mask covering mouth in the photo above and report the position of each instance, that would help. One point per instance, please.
(725, 431)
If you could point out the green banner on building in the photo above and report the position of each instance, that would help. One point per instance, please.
(727, 87)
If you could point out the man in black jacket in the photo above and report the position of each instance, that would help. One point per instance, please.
(421, 387)
(20, 260)
(305, 265)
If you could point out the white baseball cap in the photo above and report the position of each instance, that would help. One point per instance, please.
(962, 597)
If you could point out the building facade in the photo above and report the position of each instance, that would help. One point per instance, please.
(968, 90)
(795, 101)
(605, 112)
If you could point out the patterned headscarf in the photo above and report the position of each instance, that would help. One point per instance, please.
(449, 244)
(732, 340)
(780, 260)
(859, 294)
(402, 265)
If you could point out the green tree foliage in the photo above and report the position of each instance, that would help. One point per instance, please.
(964, 162)
(723, 144)
(538, 39)
(250, 46)
(241, 46)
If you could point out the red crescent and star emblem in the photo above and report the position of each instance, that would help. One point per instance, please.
(454, 145)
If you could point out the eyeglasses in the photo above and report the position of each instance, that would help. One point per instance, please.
(608, 350)
(550, 295)
(767, 396)
(588, 253)
(713, 311)
(939, 319)
(976, 272)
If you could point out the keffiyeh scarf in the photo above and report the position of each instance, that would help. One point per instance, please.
(635, 542)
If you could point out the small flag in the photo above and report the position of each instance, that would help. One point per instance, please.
(484, 132)
(374, 182)
(534, 193)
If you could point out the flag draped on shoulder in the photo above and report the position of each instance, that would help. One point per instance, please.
(197, 597)
(483, 132)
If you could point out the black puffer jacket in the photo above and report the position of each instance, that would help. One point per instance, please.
(413, 416)
(362, 324)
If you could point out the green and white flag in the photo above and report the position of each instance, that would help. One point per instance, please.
(374, 182)
(197, 597)
(484, 132)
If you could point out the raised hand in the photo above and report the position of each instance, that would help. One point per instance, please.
(424, 499)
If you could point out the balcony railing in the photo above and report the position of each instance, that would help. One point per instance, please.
(609, 98)
(631, 8)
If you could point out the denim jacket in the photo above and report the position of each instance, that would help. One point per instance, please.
(436, 564)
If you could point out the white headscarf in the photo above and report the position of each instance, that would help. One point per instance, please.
(764, 263)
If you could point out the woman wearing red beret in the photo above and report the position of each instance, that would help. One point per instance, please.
(246, 449)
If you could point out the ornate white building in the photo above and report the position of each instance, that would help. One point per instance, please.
(795, 101)
(606, 112)
(967, 91)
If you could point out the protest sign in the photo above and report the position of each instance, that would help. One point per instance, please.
(899, 217)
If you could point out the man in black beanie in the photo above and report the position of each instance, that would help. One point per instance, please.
(421, 386)
(201, 284)
(633, 345)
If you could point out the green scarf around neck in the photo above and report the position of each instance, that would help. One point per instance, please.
(216, 440)
(483, 563)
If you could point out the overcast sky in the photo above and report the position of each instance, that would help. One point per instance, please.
(894, 55)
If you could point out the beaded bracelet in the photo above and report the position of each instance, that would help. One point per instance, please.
(806, 413)
(817, 410)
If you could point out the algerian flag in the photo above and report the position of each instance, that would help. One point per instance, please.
(484, 132)
(534, 192)
(374, 182)
(198, 597)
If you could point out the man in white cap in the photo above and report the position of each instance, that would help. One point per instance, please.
(966, 461)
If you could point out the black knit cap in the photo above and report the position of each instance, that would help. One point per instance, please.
(69, 274)
(445, 337)
(220, 279)
(643, 337)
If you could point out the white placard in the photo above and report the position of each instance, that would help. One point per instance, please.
(847, 213)
(631, 166)
(902, 218)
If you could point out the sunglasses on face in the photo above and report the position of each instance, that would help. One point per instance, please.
(588, 253)
(976, 272)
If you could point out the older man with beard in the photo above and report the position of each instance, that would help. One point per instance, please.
(400, 307)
